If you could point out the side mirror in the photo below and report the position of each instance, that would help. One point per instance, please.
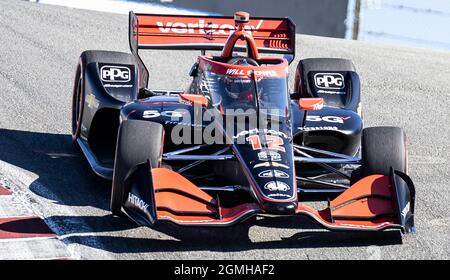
(194, 70)
(194, 99)
(289, 58)
(310, 104)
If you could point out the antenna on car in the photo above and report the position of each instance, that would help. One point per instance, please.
(241, 19)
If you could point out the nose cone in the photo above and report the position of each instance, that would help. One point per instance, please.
(266, 156)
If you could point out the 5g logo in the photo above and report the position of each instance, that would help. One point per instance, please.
(329, 81)
(119, 74)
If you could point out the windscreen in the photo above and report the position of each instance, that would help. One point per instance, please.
(238, 94)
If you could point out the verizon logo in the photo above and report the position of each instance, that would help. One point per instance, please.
(203, 28)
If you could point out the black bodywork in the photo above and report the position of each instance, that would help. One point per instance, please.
(115, 90)
(333, 129)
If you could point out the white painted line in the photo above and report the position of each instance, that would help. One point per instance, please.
(77, 234)
(21, 217)
(6, 240)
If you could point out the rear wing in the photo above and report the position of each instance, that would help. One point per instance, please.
(187, 32)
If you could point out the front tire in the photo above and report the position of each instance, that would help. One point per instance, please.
(381, 149)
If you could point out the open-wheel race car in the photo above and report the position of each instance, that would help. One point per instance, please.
(237, 143)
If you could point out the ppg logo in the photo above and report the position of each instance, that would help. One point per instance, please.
(329, 81)
(115, 74)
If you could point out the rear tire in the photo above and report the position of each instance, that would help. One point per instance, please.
(79, 88)
(381, 149)
(304, 87)
(316, 65)
(137, 142)
(77, 103)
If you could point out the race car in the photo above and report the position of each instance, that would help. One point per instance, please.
(237, 143)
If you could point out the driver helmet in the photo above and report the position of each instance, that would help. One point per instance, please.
(239, 88)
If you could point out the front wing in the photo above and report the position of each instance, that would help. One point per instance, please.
(375, 203)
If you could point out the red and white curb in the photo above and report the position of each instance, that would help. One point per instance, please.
(4, 191)
(24, 235)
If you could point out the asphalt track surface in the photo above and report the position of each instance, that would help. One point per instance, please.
(39, 48)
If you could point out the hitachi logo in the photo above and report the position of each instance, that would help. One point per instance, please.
(203, 28)
(136, 201)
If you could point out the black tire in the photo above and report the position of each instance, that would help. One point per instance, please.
(381, 149)
(137, 142)
(304, 89)
(86, 58)
(91, 56)
(77, 102)
(329, 64)
(318, 64)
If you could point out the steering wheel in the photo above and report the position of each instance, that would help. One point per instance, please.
(237, 60)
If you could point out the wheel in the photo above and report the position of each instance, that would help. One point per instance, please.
(85, 72)
(381, 149)
(77, 102)
(137, 142)
(305, 83)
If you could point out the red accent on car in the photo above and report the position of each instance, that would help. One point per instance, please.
(311, 104)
